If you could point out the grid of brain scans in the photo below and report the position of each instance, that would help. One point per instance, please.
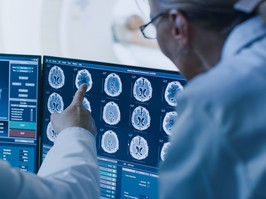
(134, 110)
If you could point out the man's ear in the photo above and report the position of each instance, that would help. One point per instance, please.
(180, 29)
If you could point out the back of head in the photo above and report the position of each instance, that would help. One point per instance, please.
(220, 14)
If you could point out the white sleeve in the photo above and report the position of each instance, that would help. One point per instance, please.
(202, 161)
(70, 171)
(184, 174)
(73, 161)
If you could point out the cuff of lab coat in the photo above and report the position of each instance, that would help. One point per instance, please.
(74, 131)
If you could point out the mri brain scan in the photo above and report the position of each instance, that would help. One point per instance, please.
(171, 90)
(141, 118)
(111, 113)
(56, 77)
(110, 142)
(50, 132)
(86, 104)
(139, 148)
(55, 103)
(142, 89)
(169, 121)
(113, 85)
(84, 77)
(164, 150)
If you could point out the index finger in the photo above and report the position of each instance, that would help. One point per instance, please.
(79, 95)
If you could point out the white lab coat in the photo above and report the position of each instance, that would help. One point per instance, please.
(69, 171)
(218, 144)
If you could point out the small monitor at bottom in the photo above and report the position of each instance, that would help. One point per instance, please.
(19, 85)
(134, 111)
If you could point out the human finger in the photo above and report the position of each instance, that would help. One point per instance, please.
(79, 95)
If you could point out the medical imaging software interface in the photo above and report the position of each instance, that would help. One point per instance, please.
(134, 110)
(19, 110)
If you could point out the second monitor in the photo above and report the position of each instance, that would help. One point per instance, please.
(19, 110)
(134, 110)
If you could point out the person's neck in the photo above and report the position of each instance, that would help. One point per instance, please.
(205, 53)
(208, 47)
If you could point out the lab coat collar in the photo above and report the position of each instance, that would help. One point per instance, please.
(243, 35)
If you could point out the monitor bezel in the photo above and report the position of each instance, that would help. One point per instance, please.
(116, 65)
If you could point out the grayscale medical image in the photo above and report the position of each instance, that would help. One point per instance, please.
(141, 118)
(139, 148)
(51, 133)
(55, 103)
(142, 89)
(164, 150)
(113, 85)
(170, 92)
(169, 121)
(110, 142)
(83, 77)
(111, 113)
(56, 77)
(86, 104)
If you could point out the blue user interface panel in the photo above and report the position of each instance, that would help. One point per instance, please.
(19, 76)
(134, 110)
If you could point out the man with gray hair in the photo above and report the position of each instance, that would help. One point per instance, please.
(218, 144)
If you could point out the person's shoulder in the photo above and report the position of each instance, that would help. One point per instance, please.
(228, 82)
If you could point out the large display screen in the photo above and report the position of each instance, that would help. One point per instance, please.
(19, 85)
(134, 110)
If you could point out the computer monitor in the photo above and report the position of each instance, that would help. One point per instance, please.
(19, 86)
(134, 110)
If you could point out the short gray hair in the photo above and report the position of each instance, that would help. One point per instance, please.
(215, 15)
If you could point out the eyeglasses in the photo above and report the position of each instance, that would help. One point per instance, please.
(149, 30)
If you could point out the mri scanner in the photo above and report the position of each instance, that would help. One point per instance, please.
(78, 29)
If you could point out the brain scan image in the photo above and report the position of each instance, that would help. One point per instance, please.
(139, 148)
(142, 89)
(84, 77)
(50, 132)
(169, 121)
(111, 113)
(86, 104)
(113, 85)
(110, 142)
(171, 90)
(56, 77)
(55, 103)
(141, 118)
(164, 150)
